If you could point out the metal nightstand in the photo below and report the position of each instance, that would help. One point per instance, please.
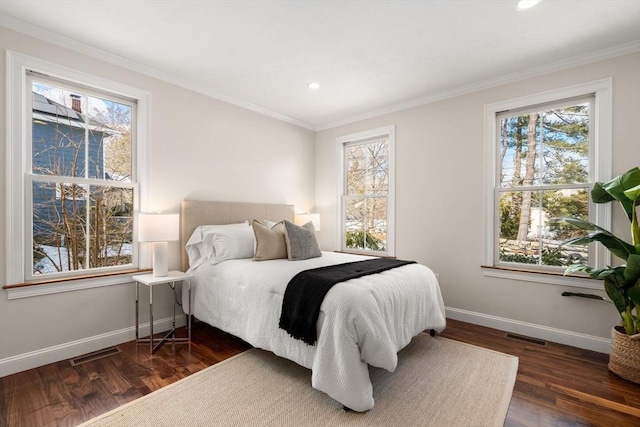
(150, 280)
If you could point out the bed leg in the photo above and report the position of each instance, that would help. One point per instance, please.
(432, 332)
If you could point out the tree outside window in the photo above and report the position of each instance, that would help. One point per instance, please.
(543, 173)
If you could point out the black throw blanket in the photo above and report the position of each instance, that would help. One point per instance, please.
(306, 291)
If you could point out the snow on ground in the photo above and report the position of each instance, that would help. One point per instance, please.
(54, 256)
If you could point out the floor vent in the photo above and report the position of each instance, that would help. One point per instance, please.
(526, 339)
(95, 355)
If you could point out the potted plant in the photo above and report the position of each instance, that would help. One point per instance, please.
(622, 282)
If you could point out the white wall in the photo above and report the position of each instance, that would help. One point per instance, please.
(201, 148)
(439, 197)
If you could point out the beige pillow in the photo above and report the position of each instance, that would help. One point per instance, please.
(270, 242)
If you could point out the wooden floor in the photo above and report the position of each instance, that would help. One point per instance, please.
(556, 385)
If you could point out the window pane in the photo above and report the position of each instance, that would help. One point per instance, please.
(366, 223)
(60, 229)
(354, 223)
(58, 132)
(565, 147)
(518, 135)
(368, 168)
(111, 226)
(526, 235)
(376, 224)
(59, 219)
(71, 130)
(111, 132)
(545, 147)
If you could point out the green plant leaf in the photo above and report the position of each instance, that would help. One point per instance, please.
(606, 272)
(633, 194)
(615, 294)
(574, 268)
(578, 223)
(632, 271)
(617, 187)
(600, 195)
(634, 295)
(617, 246)
(628, 322)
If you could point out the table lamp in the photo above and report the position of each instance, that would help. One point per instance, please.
(304, 218)
(159, 229)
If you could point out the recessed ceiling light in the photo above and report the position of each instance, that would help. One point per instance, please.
(314, 85)
(526, 4)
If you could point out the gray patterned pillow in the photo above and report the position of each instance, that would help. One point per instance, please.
(302, 242)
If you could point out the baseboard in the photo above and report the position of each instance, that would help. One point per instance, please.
(588, 342)
(34, 359)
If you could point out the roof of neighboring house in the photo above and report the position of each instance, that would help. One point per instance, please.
(45, 105)
(50, 111)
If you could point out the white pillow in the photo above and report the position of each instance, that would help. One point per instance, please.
(215, 243)
(269, 224)
(234, 243)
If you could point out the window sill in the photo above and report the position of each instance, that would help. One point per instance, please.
(550, 278)
(26, 290)
(371, 254)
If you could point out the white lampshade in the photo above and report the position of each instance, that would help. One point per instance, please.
(302, 219)
(526, 4)
(158, 227)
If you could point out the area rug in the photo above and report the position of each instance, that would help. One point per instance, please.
(438, 382)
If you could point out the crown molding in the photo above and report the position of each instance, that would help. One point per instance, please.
(100, 54)
(599, 55)
(92, 51)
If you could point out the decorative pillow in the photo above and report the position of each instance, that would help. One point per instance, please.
(270, 243)
(215, 243)
(302, 242)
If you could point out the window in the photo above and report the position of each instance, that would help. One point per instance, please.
(367, 192)
(546, 151)
(80, 183)
(75, 173)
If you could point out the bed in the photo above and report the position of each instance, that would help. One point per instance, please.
(362, 322)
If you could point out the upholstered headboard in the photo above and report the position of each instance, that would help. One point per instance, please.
(200, 212)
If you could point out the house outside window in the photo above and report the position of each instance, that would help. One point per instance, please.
(544, 153)
(77, 172)
(366, 213)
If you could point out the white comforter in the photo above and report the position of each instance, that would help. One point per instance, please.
(362, 321)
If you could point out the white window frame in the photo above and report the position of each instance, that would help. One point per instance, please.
(600, 151)
(18, 164)
(388, 132)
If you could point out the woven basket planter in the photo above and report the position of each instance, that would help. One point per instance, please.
(624, 360)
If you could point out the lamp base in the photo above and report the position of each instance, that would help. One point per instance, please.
(160, 262)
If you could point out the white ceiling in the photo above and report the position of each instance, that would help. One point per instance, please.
(370, 57)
